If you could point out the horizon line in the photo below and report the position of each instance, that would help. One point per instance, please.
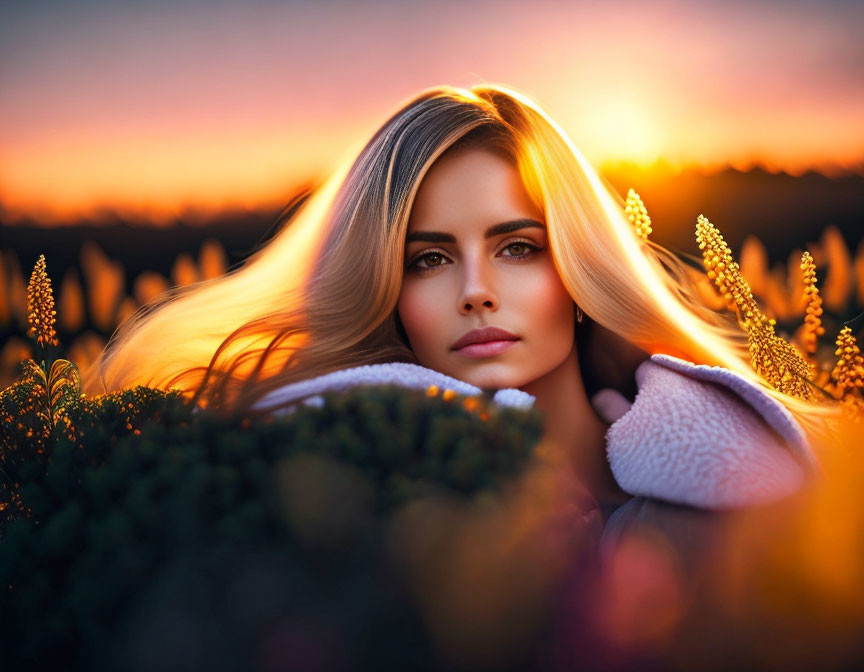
(198, 212)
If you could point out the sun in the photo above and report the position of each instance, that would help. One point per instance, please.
(620, 129)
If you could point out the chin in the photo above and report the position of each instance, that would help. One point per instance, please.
(498, 379)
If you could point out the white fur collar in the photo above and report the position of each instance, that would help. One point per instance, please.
(708, 437)
(695, 434)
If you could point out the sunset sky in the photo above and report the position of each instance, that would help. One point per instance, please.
(153, 107)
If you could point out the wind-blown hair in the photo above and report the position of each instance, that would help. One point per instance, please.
(322, 294)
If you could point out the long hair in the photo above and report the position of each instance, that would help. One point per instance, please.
(322, 294)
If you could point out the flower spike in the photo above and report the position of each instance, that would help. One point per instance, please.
(40, 306)
(636, 212)
(778, 362)
(812, 321)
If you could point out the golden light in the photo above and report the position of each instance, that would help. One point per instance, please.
(620, 129)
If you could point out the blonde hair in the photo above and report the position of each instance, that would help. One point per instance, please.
(322, 294)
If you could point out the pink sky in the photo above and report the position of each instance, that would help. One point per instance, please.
(159, 106)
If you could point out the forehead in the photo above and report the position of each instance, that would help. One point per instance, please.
(468, 188)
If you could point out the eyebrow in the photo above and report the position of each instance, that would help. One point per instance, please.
(491, 232)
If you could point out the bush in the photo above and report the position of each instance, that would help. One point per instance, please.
(147, 536)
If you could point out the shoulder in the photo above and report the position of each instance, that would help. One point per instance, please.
(403, 374)
(707, 437)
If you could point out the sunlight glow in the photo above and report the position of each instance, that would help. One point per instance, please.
(624, 131)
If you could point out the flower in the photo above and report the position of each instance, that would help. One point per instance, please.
(40, 306)
(635, 210)
(848, 373)
(778, 362)
(812, 321)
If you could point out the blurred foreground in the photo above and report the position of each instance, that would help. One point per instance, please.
(394, 530)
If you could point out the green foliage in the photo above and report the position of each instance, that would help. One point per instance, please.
(148, 532)
(32, 426)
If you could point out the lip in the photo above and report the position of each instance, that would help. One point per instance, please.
(484, 342)
(485, 349)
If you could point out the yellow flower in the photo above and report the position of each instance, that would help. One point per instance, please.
(778, 362)
(635, 210)
(40, 306)
(849, 370)
(812, 321)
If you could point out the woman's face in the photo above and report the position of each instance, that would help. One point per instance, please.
(477, 256)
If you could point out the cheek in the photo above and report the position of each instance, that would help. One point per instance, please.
(547, 307)
(419, 310)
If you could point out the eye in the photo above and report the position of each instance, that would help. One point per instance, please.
(432, 261)
(521, 248)
(518, 250)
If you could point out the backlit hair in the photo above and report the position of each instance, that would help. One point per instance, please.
(322, 294)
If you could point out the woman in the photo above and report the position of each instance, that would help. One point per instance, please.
(468, 209)
(482, 301)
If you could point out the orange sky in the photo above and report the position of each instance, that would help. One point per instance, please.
(155, 108)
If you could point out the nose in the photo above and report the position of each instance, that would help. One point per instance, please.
(478, 288)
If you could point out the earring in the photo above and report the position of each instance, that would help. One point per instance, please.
(579, 314)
